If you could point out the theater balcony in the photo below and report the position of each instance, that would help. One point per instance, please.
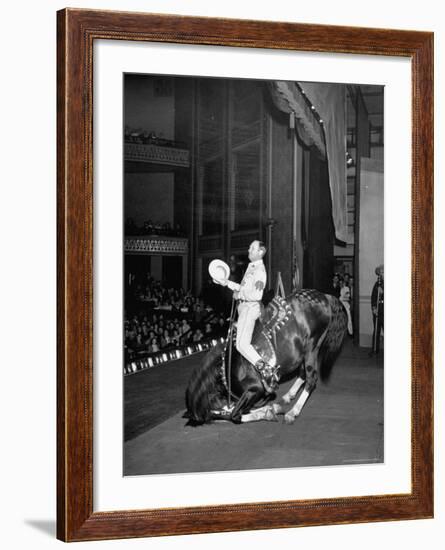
(164, 256)
(156, 244)
(146, 157)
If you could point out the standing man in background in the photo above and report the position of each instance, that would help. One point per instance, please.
(377, 305)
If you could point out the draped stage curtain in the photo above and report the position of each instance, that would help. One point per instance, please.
(329, 138)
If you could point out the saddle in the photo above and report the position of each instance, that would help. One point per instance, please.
(273, 318)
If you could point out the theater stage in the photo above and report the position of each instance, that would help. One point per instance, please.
(342, 423)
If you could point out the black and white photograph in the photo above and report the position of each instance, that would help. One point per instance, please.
(253, 328)
(204, 203)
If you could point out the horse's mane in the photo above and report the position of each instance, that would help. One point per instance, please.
(205, 389)
(320, 304)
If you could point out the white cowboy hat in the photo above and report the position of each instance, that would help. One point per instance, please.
(219, 270)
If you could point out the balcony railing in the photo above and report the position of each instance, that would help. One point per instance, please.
(156, 244)
(156, 154)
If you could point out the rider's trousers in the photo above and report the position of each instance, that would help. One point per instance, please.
(248, 313)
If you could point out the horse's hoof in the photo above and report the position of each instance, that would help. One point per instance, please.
(277, 408)
(289, 418)
(270, 415)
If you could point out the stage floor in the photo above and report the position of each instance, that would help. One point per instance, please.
(342, 423)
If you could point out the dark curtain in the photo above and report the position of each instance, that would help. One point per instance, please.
(319, 241)
(172, 271)
(329, 137)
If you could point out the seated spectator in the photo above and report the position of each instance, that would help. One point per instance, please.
(173, 338)
(197, 313)
(349, 283)
(345, 299)
(336, 285)
(221, 326)
(131, 338)
(185, 327)
(183, 319)
(154, 347)
(139, 344)
(197, 336)
(166, 340)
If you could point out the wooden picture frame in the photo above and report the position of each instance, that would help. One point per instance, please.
(77, 31)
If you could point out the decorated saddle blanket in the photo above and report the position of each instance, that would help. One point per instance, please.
(274, 317)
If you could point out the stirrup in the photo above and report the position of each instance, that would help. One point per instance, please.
(222, 414)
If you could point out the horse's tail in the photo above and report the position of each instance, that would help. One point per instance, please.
(333, 341)
(205, 390)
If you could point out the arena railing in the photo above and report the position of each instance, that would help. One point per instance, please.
(150, 360)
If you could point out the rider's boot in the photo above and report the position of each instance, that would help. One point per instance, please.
(268, 374)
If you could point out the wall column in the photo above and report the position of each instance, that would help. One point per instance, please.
(371, 240)
(184, 272)
(156, 267)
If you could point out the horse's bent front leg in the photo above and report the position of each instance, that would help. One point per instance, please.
(292, 392)
(311, 382)
(246, 402)
(264, 413)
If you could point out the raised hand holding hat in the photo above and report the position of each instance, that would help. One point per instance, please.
(219, 271)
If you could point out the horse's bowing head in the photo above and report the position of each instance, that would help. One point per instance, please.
(203, 388)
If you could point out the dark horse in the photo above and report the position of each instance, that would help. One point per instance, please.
(301, 335)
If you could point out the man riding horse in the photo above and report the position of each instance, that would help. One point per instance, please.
(249, 295)
(299, 336)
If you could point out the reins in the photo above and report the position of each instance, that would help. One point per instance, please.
(229, 366)
(227, 379)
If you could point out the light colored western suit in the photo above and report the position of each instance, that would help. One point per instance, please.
(250, 293)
